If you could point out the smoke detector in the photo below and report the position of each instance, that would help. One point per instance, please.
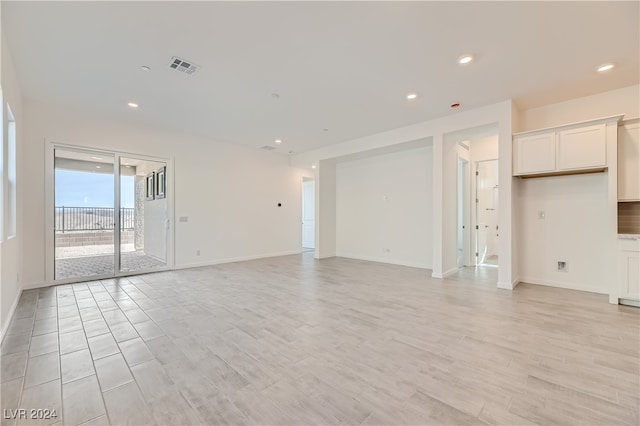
(181, 65)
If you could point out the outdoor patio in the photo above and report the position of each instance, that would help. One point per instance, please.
(87, 266)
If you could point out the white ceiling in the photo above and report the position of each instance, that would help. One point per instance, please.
(344, 66)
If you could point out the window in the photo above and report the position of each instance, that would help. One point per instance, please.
(11, 174)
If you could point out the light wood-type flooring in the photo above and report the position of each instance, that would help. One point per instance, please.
(296, 341)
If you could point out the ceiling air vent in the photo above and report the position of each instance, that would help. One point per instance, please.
(182, 65)
(268, 148)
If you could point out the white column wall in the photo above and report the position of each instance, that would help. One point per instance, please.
(438, 202)
(325, 210)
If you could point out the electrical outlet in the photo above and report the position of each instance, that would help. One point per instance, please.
(562, 266)
(386, 250)
(197, 252)
(184, 219)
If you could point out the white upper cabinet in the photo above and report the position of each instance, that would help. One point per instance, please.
(574, 148)
(582, 148)
(535, 154)
(629, 162)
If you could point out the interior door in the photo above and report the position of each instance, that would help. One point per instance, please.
(308, 214)
(487, 211)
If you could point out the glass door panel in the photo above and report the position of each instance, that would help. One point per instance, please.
(143, 215)
(84, 217)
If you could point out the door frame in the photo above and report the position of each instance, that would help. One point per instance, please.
(50, 147)
(306, 179)
(463, 156)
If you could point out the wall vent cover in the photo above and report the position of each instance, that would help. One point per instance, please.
(268, 148)
(181, 65)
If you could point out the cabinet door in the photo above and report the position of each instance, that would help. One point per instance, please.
(629, 162)
(582, 148)
(534, 154)
(630, 275)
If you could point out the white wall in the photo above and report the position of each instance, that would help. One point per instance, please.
(385, 202)
(10, 278)
(229, 193)
(449, 205)
(155, 235)
(325, 209)
(621, 101)
(573, 230)
(484, 149)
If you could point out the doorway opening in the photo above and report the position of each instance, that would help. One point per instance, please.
(110, 215)
(477, 201)
(308, 214)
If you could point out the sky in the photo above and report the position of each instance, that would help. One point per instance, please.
(84, 189)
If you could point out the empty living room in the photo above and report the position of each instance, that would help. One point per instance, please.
(320, 213)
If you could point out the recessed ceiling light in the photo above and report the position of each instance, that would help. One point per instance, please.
(412, 96)
(278, 141)
(313, 166)
(145, 68)
(98, 167)
(96, 158)
(465, 59)
(605, 67)
(133, 105)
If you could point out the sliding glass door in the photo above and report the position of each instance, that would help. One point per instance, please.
(84, 214)
(110, 215)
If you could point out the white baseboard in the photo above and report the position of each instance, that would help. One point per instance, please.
(560, 284)
(445, 274)
(12, 311)
(235, 259)
(37, 285)
(382, 260)
(508, 285)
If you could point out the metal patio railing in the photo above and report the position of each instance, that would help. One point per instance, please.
(92, 218)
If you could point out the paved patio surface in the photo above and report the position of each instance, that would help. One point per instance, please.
(87, 266)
